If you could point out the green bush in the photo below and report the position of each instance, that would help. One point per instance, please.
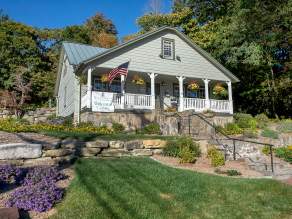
(217, 158)
(285, 126)
(245, 121)
(152, 128)
(232, 129)
(233, 172)
(270, 134)
(250, 133)
(266, 150)
(184, 148)
(117, 127)
(262, 120)
(285, 153)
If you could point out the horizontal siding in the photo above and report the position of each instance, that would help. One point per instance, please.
(145, 58)
(68, 81)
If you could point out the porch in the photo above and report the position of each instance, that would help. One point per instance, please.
(156, 92)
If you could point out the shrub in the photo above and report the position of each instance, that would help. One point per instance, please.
(39, 197)
(217, 158)
(189, 150)
(117, 127)
(250, 133)
(184, 148)
(230, 172)
(285, 126)
(245, 121)
(42, 173)
(233, 173)
(285, 153)
(151, 128)
(266, 150)
(270, 133)
(262, 120)
(232, 129)
(171, 149)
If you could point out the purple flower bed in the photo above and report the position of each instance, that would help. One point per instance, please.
(39, 197)
(11, 175)
(42, 173)
(37, 191)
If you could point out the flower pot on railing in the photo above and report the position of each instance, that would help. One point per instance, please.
(138, 80)
(193, 86)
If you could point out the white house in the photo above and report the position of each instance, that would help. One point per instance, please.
(165, 61)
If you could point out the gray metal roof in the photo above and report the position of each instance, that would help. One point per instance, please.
(78, 53)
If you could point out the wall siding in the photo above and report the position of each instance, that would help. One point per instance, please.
(145, 58)
(69, 81)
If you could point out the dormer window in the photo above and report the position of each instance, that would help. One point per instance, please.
(167, 48)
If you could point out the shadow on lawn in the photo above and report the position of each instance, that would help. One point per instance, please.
(137, 181)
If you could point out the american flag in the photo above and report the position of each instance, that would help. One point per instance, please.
(120, 70)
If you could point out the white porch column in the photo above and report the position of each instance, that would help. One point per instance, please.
(89, 87)
(152, 78)
(181, 93)
(123, 91)
(230, 97)
(207, 104)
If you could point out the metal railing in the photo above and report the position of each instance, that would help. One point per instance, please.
(234, 140)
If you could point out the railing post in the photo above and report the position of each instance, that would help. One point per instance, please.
(181, 93)
(122, 91)
(89, 88)
(207, 100)
(234, 153)
(272, 162)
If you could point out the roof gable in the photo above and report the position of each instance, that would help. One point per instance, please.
(145, 36)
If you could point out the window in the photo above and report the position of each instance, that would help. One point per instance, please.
(105, 87)
(168, 48)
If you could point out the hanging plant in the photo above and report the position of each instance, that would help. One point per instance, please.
(193, 85)
(104, 78)
(219, 90)
(138, 80)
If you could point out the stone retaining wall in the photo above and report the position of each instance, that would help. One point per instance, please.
(68, 150)
(169, 123)
(38, 115)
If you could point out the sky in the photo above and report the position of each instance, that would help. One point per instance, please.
(61, 13)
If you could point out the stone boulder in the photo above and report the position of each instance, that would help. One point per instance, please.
(89, 152)
(134, 144)
(114, 153)
(142, 152)
(20, 150)
(9, 213)
(97, 144)
(71, 143)
(157, 151)
(57, 153)
(116, 144)
(154, 143)
(39, 161)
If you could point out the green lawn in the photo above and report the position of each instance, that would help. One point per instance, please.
(142, 188)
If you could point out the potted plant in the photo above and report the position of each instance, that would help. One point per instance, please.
(219, 90)
(138, 80)
(104, 78)
(193, 85)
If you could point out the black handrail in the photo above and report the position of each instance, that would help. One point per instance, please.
(228, 137)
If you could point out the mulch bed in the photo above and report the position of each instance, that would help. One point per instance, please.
(204, 165)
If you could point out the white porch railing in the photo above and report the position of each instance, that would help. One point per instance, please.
(132, 101)
(222, 106)
(141, 101)
(138, 101)
(194, 103)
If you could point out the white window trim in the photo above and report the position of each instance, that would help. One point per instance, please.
(172, 47)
